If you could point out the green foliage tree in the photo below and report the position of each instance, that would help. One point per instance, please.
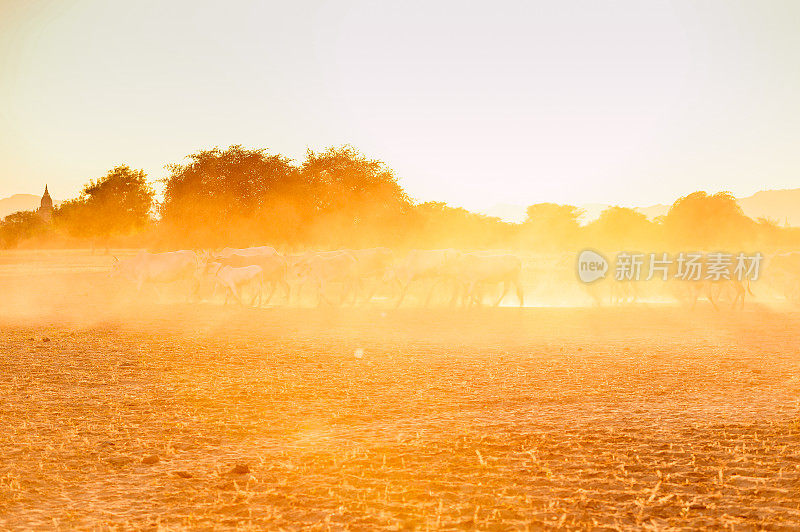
(20, 226)
(242, 196)
(356, 200)
(236, 196)
(705, 222)
(621, 228)
(550, 226)
(436, 224)
(118, 203)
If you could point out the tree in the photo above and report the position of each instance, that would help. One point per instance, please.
(20, 226)
(621, 228)
(436, 224)
(551, 226)
(117, 204)
(237, 196)
(356, 200)
(702, 221)
(75, 218)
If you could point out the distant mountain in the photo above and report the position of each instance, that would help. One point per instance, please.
(19, 202)
(782, 206)
(654, 211)
(591, 211)
(507, 212)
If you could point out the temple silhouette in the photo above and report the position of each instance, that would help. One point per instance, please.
(45, 210)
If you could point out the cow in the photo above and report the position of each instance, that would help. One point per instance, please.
(371, 264)
(167, 267)
(325, 267)
(735, 289)
(477, 269)
(714, 290)
(296, 264)
(438, 265)
(245, 252)
(698, 282)
(235, 279)
(274, 270)
(782, 273)
(624, 292)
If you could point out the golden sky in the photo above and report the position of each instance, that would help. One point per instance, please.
(474, 103)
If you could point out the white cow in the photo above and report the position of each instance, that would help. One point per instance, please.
(235, 279)
(165, 267)
(372, 264)
(325, 267)
(274, 268)
(438, 265)
(782, 273)
(246, 252)
(481, 268)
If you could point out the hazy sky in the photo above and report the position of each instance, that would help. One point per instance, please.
(473, 103)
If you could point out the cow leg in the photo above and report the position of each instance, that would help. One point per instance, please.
(469, 293)
(321, 295)
(458, 289)
(373, 289)
(710, 297)
(288, 291)
(230, 290)
(430, 293)
(520, 293)
(258, 290)
(355, 288)
(358, 287)
(324, 297)
(195, 294)
(349, 288)
(506, 287)
(403, 290)
(273, 286)
(739, 297)
(256, 294)
(476, 294)
(214, 292)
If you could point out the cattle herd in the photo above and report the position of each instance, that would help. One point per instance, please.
(261, 271)
(355, 276)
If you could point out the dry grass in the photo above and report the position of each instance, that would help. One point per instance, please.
(174, 416)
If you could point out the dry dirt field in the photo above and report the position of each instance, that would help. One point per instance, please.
(134, 415)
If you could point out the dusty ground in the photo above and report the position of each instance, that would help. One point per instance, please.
(140, 415)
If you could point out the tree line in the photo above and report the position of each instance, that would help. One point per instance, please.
(340, 198)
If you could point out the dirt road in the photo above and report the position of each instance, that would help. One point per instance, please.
(196, 416)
